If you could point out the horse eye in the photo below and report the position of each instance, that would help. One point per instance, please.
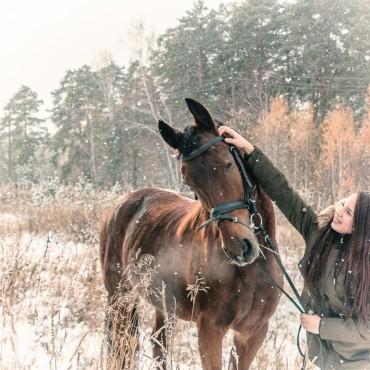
(228, 166)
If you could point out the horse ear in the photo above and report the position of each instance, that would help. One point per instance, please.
(170, 136)
(200, 114)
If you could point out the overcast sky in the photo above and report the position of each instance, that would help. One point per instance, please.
(41, 39)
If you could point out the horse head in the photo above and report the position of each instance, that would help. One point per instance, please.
(209, 169)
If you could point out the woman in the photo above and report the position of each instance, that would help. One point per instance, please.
(335, 265)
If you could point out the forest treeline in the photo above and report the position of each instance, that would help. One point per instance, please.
(294, 77)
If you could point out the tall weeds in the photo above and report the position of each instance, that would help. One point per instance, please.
(54, 306)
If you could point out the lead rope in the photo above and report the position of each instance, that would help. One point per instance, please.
(252, 203)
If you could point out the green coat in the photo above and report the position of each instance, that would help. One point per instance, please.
(345, 343)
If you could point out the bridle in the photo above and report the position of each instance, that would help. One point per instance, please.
(222, 211)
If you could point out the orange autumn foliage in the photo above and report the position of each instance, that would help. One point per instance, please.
(271, 132)
(364, 135)
(340, 150)
(302, 141)
(364, 145)
(323, 163)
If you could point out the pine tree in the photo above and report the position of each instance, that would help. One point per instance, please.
(254, 39)
(77, 113)
(24, 133)
(325, 55)
(185, 61)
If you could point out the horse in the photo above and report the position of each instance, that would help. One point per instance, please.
(220, 261)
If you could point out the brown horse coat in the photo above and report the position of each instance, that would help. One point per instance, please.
(163, 224)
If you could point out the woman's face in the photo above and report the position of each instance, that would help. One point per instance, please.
(343, 217)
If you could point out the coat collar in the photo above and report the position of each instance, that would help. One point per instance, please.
(325, 216)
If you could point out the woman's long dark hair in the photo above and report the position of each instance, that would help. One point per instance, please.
(356, 257)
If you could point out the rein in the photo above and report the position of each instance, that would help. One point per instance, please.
(221, 213)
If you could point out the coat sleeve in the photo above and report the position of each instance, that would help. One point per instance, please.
(276, 186)
(349, 330)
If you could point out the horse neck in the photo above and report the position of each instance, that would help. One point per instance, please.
(266, 210)
(194, 217)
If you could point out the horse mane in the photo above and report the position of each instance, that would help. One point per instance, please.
(189, 141)
(192, 219)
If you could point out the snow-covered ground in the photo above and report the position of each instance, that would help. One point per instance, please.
(46, 299)
(52, 312)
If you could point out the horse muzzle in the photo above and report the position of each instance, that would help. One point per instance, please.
(248, 252)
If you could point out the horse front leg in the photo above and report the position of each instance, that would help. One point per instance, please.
(210, 344)
(247, 346)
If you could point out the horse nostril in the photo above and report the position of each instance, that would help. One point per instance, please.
(247, 248)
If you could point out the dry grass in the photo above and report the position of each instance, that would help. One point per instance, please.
(53, 301)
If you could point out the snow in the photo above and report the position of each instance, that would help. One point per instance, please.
(52, 313)
(39, 328)
(7, 218)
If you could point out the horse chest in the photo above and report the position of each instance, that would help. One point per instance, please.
(259, 309)
(241, 301)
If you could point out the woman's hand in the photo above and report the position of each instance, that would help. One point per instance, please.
(232, 137)
(311, 323)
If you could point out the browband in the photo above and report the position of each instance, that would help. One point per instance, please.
(202, 148)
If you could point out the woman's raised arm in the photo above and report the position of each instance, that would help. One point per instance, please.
(274, 184)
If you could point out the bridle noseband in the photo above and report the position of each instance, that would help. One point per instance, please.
(221, 211)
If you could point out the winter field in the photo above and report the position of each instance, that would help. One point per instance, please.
(53, 300)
